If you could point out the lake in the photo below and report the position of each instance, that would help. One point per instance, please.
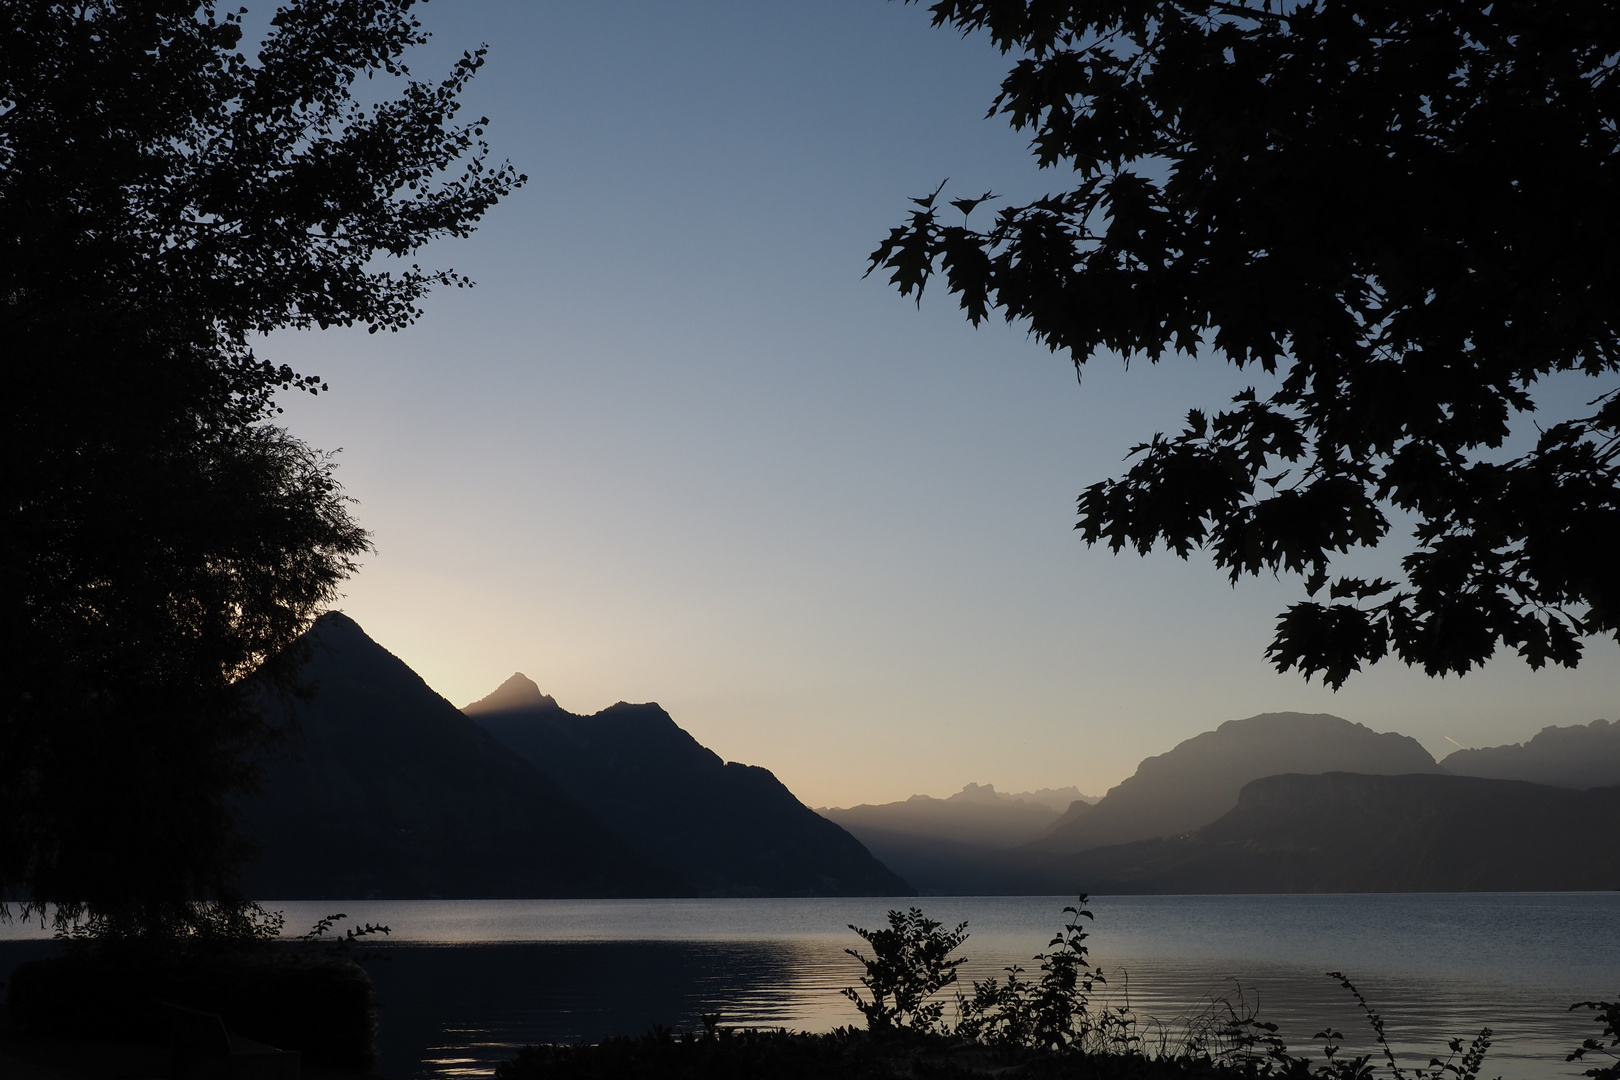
(463, 983)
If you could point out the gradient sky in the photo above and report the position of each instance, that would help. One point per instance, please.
(673, 448)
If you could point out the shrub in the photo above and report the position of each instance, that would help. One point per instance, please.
(1054, 1012)
(1608, 1014)
(1053, 1018)
(910, 963)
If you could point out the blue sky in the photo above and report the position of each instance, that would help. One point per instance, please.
(673, 447)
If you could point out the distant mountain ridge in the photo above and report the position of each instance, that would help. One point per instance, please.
(1198, 780)
(728, 829)
(976, 814)
(955, 845)
(1578, 756)
(1057, 799)
(390, 792)
(1344, 832)
(975, 842)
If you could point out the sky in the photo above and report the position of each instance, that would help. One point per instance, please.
(674, 447)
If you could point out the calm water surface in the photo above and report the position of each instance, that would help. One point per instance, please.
(463, 983)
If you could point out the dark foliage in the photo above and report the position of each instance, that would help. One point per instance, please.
(843, 1054)
(910, 963)
(1606, 1045)
(1053, 1012)
(1054, 1029)
(163, 197)
(1407, 213)
(316, 1001)
(340, 944)
(150, 166)
(1462, 1063)
(154, 575)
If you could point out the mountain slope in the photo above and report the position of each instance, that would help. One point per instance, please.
(1342, 832)
(1199, 780)
(729, 829)
(390, 792)
(1579, 756)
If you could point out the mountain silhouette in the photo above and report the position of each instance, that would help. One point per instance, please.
(978, 814)
(1579, 756)
(1057, 799)
(389, 792)
(955, 846)
(1199, 780)
(728, 829)
(518, 692)
(1344, 832)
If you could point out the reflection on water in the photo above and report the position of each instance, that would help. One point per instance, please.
(464, 983)
(456, 1010)
(1436, 967)
(460, 1008)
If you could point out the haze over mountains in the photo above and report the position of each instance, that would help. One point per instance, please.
(1578, 756)
(1216, 794)
(1347, 832)
(953, 845)
(1199, 780)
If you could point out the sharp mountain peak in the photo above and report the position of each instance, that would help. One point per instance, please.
(517, 692)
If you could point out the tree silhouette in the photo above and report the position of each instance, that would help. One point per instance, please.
(1407, 215)
(164, 197)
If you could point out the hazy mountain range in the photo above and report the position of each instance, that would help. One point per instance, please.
(1199, 780)
(952, 845)
(1579, 756)
(388, 790)
(1348, 832)
(1117, 843)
